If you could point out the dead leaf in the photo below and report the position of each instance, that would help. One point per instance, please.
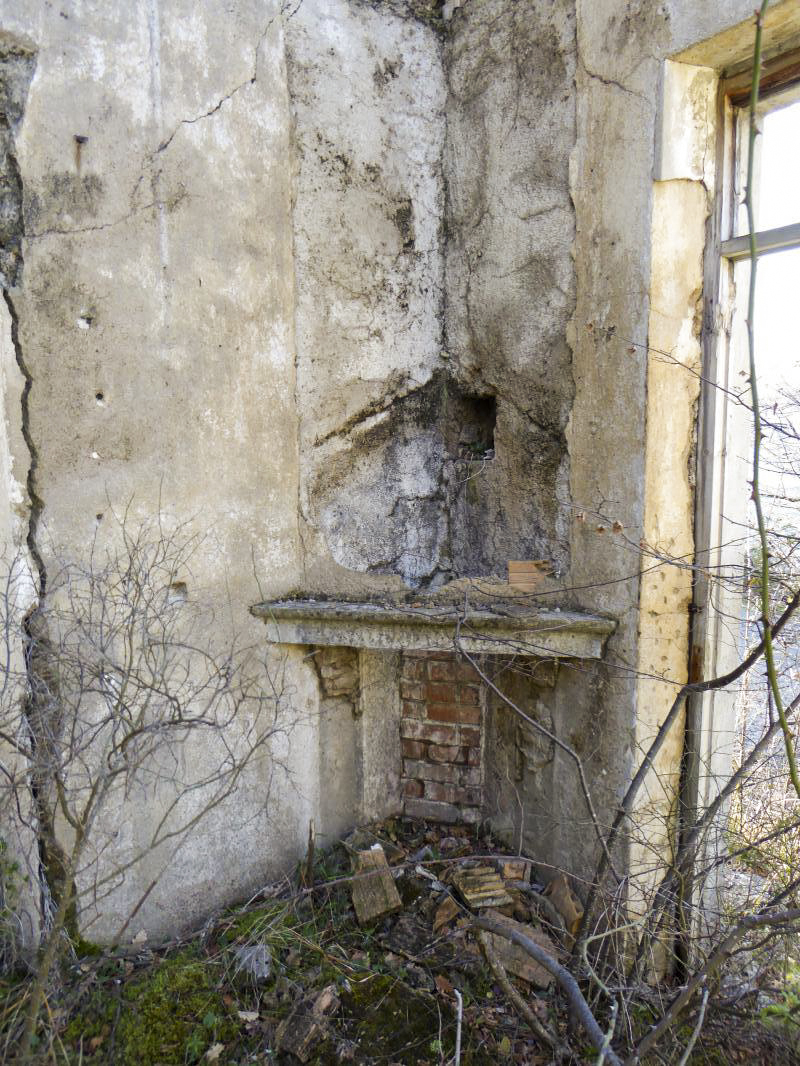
(214, 1052)
(566, 902)
(248, 1015)
(504, 1047)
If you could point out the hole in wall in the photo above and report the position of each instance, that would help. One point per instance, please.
(177, 592)
(100, 397)
(470, 425)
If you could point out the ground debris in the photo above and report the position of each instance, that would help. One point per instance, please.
(481, 887)
(375, 994)
(515, 959)
(566, 902)
(254, 960)
(447, 910)
(306, 1025)
(374, 893)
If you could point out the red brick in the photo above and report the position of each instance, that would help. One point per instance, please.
(470, 815)
(412, 690)
(473, 756)
(413, 789)
(470, 777)
(441, 792)
(426, 771)
(413, 710)
(472, 737)
(413, 749)
(446, 753)
(453, 712)
(467, 672)
(469, 694)
(438, 734)
(437, 812)
(443, 671)
(414, 669)
(441, 692)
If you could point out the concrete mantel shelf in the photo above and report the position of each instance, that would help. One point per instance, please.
(533, 632)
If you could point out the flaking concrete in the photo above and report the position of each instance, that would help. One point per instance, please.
(363, 291)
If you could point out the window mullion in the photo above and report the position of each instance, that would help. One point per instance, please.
(769, 240)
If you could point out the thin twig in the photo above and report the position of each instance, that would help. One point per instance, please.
(459, 1018)
(700, 977)
(612, 1024)
(769, 657)
(696, 1031)
(569, 986)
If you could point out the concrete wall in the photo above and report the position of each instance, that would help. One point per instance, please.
(363, 291)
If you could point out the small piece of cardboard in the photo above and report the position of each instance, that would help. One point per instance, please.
(528, 574)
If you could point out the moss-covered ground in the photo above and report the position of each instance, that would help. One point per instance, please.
(195, 1002)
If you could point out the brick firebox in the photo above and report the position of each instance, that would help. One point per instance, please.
(441, 735)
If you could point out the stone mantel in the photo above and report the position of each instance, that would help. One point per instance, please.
(532, 632)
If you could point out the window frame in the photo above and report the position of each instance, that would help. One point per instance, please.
(716, 476)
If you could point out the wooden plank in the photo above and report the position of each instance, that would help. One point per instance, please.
(374, 892)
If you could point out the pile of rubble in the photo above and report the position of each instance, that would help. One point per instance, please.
(418, 892)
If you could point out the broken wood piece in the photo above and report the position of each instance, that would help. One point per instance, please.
(480, 886)
(566, 902)
(514, 958)
(306, 1025)
(515, 869)
(517, 1002)
(528, 574)
(374, 891)
(445, 913)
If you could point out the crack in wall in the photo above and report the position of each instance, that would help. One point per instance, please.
(41, 704)
(35, 502)
(289, 10)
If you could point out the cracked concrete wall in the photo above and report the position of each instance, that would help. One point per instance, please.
(368, 97)
(20, 894)
(431, 199)
(351, 285)
(510, 287)
(155, 314)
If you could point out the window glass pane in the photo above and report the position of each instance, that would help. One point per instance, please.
(779, 184)
(777, 322)
(777, 325)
